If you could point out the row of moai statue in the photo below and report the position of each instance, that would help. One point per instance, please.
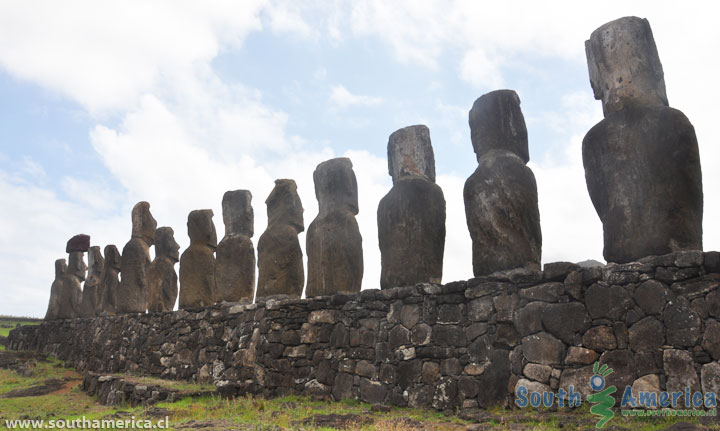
(642, 171)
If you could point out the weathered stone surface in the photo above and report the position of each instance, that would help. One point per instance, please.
(649, 203)
(600, 338)
(607, 302)
(649, 383)
(547, 292)
(580, 356)
(537, 372)
(528, 319)
(90, 297)
(650, 296)
(163, 278)
(110, 281)
(710, 377)
(680, 372)
(133, 291)
(197, 264)
(495, 379)
(565, 321)
(235, 254)
(71, 291)
(624, 367)
(80, 242)
(646, 335)
(578, 378)
(480, 309)
(280, 264)
(56, 290)
(711, 339)
(558, 271)
(411, 217)
(543, 348)
(683, 324)
(501, 196)
(334, 243)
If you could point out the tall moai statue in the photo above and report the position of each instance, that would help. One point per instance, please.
(110, 282)
(235, 267)
(280, 264)
(501, 201)
(91, 288)
(71, 292)
(642, 165)
(197, 263)
(334, 243)
(163, 278)
(56, 290)
(133, 292)
(411, 217)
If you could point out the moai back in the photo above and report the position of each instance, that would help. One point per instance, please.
(56, 290)
(90, 294)
(235, 255)
(163, 278)
(110, 282)
(71, 287)
(197, 263)
(642, 164)
(132, 295)
(411, 217)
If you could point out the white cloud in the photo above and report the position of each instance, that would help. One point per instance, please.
(341, 97)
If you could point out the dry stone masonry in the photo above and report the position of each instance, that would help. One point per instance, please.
(235, 267)
(334, 244)
(280, 264)
(411, 217)
(462, 344)
(163, 283)
(642, 165)
(133, 291)
(501, 203)
(197, 263)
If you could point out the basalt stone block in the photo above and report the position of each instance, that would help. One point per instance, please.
(235, 265)
(711, 339)
(91, 288)
(334, 243)
(56, 290)
(565, 321)
(543, 348)
(411, 217)
(682, 323)
(642, 165)
(197, 263)
(501, 204)
(80, 242)
(109, 282)
(280, 265)
(646, 335)
(71, 293)
(163, 278)
(680, 371)
(133, 291)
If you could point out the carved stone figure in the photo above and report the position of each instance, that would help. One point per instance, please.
(642, 165)
(411, 217)
(56, 290)
(71, 290)
(280, 264)
(197, 263)
(235, 267)
(90, 297)
(132, 295)
(163, 278)
(501, 203)
(334, 243)
(110, 282)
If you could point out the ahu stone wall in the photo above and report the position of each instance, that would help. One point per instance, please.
(656, 322)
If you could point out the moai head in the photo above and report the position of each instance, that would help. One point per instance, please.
(95, 261)
(165, 244)
(80, 242)
(336, 186)
(410, 154)
(143, 223)
(201, 228)
(284, 206)
(60, 268)
(497, 123)
(238, 213)
(624, 65)
(112, 257)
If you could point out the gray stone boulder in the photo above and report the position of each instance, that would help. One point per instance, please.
(109, 282)
(411, 217)
(280, 263)
(501, 204)
(235, 254)
(163, 278)
(56, 290)
(642, 165)
(91, 288)
(132, 295)
(197, 263)
(334, 243)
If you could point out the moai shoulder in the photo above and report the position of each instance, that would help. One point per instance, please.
(91, 288)
(56, 290)
(235, 254)
(135, 263)
(163, 278)
(110, 282)
(197, 263)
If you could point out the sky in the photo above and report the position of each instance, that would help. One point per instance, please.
(104, 104)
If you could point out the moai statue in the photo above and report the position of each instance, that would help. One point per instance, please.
(334, 244)
(56, 290)
(197, 263)
(71, 292)
(91, 288)
(163, 278)
(642, 165)
(411, 217)
(235, 267)
(110, 282)
(133, 292)
(280, 264)
(501, 202)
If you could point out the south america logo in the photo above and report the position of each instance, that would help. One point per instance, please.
(602, 400)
